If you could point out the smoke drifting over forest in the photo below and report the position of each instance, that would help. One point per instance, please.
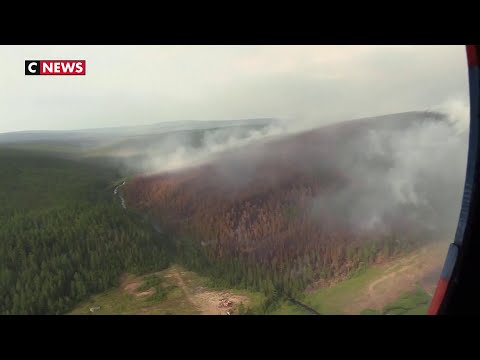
(329, 175)
(399, 174)
(413, 174)
(179, 149)
(411, 164)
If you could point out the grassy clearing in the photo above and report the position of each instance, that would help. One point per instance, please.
(403, 285)
(149, 282)
(288, 308)
(256, 298)
(371, 312)
(411, 303)
(117, 302)
(194, 280)
(160, 293)
(121, 301)
(333, 300)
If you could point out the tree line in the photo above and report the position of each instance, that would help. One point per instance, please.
(63, 236)
(262, 237)
(51, 260)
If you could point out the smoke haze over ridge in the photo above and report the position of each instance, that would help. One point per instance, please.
(406, 168)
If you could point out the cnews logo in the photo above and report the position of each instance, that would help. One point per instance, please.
(55, 67)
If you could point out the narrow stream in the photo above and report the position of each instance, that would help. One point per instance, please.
(119, 194)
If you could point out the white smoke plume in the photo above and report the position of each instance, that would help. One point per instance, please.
(457, 111)
(414, 171)
(180, 150)
(418, 172)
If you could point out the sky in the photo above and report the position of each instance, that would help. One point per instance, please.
(136, 85)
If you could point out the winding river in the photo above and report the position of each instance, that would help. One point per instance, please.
(119, 194)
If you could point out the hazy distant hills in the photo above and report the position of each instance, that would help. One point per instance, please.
(126, 132)
(163, 146)
(119, 133)
(132, 140)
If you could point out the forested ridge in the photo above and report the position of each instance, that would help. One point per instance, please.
(63, 236)
(270, 246)
(279, 216)
(274, 217)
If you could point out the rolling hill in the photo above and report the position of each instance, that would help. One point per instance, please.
(326, 217)
(280, 214)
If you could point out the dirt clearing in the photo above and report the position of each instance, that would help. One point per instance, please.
(421, 268)
(171, 291)
(207, 301)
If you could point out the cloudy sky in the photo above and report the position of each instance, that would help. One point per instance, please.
(129, 85)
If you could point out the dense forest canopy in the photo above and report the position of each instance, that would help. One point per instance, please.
(62, 234)
(279, 215)
(275, 216)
